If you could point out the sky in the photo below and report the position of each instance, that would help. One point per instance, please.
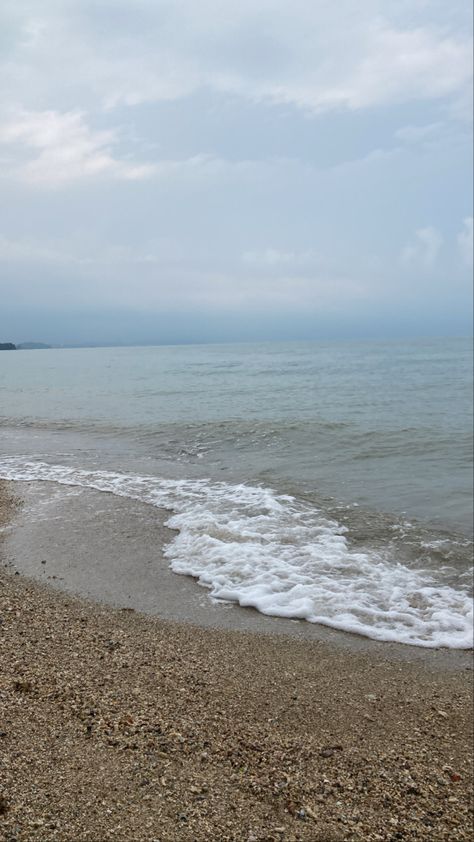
(182, 171)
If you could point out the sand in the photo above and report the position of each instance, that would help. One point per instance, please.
(117, 725)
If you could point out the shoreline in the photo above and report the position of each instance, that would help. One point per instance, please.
(129, 538)
(116, 725)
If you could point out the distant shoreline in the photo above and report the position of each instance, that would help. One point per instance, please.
(30, 346)
(24, 346)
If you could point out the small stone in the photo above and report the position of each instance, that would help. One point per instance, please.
(413, 789)
(22, 686)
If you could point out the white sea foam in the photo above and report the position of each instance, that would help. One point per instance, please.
(283, 557)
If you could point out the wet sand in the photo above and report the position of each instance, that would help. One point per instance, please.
(119, 725)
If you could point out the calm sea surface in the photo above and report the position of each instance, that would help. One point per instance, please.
(330, 482)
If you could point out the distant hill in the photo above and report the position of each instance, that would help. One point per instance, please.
(31, 346)
(7, 346)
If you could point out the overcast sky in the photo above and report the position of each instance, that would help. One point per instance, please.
(208, 169)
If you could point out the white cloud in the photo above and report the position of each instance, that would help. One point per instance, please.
(465, 240)
(52, 149)
(64, 149)
(393, 66)
(423, 252)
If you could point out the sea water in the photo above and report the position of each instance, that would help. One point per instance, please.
(328, 482)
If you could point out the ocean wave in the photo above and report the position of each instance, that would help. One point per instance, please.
(283, 557)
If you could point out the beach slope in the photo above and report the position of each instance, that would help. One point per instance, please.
(119, 726)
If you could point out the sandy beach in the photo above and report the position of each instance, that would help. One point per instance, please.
(117, 725)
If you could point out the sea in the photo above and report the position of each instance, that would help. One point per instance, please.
(328, 482)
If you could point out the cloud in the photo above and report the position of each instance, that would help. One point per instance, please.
(465, 241)
(272, 258)
(413, 135)
(310, 54)
(160, 289)
(53, 149)
(63, 148)
(305, 63)
(220, 154)
(423, 252)
(393, 66)
(13, 250)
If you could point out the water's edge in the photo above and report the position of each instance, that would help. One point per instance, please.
(110, 550)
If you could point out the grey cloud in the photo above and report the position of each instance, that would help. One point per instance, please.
(292, 54)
